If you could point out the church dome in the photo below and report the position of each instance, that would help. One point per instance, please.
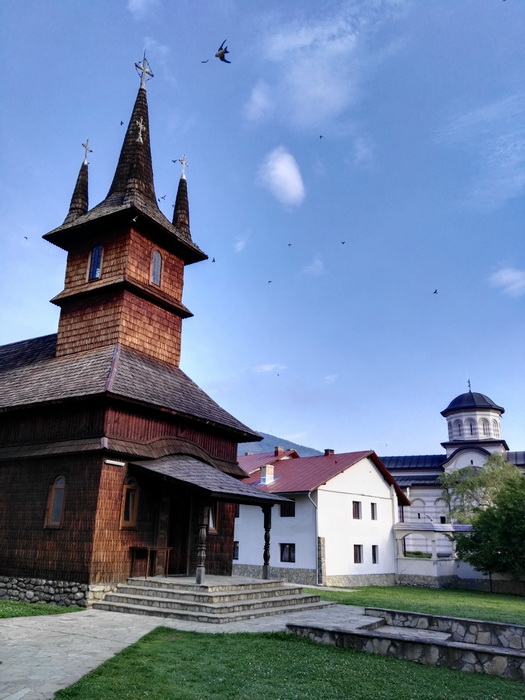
(471, 400)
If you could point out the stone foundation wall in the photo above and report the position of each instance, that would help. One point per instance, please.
(499, 585)
(39, 590)
(363, 580)
(306, 577)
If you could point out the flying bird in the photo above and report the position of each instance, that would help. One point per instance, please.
(206, 61)
(121, 123)
(435, 291)
(320, 137)
(269, 281)
(213, 259)
(343, 242)
(222, 51)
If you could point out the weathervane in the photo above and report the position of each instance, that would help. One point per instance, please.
(87, 150)
(144, 69)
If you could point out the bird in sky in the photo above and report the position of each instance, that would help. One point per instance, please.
(343, 242)
(121, 123)
(206, 61)
(321, 137)
(222, 51)
(435, 291)
(213, 259)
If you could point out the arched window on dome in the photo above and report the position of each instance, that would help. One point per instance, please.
(156, 267)
(495, 428)
(458, 429)
(471, 428)
(485, 426)
(450, 430)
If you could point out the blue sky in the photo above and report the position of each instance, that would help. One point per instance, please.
(318, 320)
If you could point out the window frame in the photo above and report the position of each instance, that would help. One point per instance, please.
(287, 552)
(235, 550)
(130, 490)
(357, 512)
(95, 263)
(55, 489)
(287, 510)
(214, 518)
(373, 510)
(358, 553)
(155, 276)
(375, 554)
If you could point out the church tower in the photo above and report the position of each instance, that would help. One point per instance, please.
(125, 266)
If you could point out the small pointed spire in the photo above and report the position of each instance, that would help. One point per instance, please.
(79, 200)
(181, 212)
(134, 173)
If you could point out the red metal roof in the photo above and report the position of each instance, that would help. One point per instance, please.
(309, 473)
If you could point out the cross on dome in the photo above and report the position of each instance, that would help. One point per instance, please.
(184, 163)
(87, 150)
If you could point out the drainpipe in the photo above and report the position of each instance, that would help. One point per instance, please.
(316, 539)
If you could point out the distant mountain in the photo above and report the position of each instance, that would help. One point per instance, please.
(270, 442)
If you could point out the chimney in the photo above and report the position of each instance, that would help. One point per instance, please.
(246, 454)
(267, 474)
(278, 451)
(328, 452)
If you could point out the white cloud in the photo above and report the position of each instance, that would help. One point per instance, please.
(495, 134)
(316, 267)
(239, 244)
(320, 59)
(159, 55)
(142, 8)
(269, 368)
(280, 174)
(510, 280)
(260, 104)
(330, 378)
(363, 155)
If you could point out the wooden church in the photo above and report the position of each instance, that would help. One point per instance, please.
(112, 461)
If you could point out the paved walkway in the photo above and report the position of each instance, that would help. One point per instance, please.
(42, 654)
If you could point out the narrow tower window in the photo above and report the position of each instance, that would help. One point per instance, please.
(495, 428)
(55, 503)
(458, 429)
(156, 267)
(95, 263)
(486, 428)
(129, 504)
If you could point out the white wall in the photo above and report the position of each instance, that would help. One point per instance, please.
(341, 531)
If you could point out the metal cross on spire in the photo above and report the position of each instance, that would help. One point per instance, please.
(144, 69)
(468, 382)
(87, 150)
(184, 163)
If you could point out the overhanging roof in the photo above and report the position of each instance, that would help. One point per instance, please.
(214, 483)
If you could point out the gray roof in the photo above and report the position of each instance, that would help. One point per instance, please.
(414, 461)
(416, 480)
(216, 484)
(471, 399)
(30, 374)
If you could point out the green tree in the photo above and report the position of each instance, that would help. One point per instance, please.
(471, 489)
(496, 543)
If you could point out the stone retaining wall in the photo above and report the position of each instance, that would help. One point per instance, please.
(39, 590)
(306, 577)
(460, 629)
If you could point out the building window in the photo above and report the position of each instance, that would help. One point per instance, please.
(375, 554)
(156, 267)
(471, 428)
(237, 510)
(450, 430)
(486, 427)
(458, 429)
(95, 263)
(287, 552)
(495, 428)
(235, 550)
(130, 503)
(373, 511)
(358, 553)
(213, 518)
(55, 503)
(356, 510)
(288, 509)
(442, 519)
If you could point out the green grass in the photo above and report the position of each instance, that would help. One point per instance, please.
(14, 608)
(455, 603)
(171, 665)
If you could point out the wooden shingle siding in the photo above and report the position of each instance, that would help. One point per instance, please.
(34, 426)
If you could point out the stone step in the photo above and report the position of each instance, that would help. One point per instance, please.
(213, 608)
(207, 596)
(207, 617)
(177, 584)
(412, 634)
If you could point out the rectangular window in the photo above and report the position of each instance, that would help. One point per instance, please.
(442, 519)
(288, 510)
(287, 552)
(375, 554)
(373, 511)
(237, 511)
(95, 263)
(356, 510)
(235, 550)
(213, 518)
(358, 553)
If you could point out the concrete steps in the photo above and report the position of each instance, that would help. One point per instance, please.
(216, 603)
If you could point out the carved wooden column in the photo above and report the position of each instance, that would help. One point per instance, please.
(201, 544)
(267, 510)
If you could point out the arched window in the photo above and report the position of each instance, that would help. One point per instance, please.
(130, 503)
(95, 263)
(485, 427)
(450, 430)
(471, 428)
(55, 503)
(458, 429)
(495, 428)
(156, 267)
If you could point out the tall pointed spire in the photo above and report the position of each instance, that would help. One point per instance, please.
(79, 200)
(181, 212)
(134, 174)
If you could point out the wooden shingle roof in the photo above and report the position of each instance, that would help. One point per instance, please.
(30, 375)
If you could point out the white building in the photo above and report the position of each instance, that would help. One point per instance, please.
(338, 528)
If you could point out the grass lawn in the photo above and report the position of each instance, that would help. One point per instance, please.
(14, 608)
(455, 603)
(170, 665)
